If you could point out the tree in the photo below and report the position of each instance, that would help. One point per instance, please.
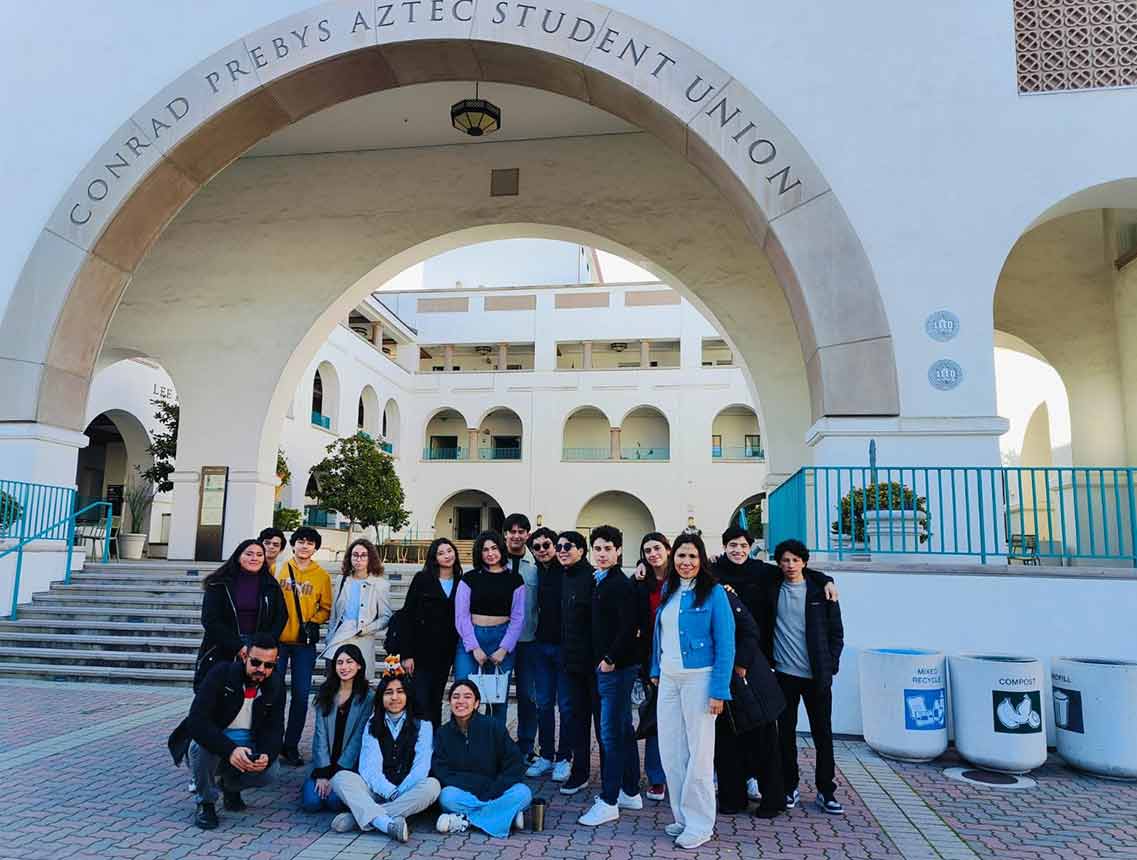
(286, 519)
(890, 496)
(358, 480)
(164, 448)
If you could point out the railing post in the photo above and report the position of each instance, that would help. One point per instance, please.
(982, 521)
(107, 535)
(70, 536)
(1132, 518)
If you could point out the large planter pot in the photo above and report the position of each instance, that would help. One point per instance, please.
(904, 702)
(996, 708)
(894, 532)
(130, 546)
(1094, 703)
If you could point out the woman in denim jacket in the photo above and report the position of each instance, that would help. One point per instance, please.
(692, 660)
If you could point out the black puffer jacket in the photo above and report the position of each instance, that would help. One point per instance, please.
(756, 699)
(824, 632)
(222, 639)
(576, 617)
(484, 760)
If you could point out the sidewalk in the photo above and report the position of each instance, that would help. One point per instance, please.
(87, 775)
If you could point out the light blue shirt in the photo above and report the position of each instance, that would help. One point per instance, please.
(395, 724)
(351, 611)
(599, 575)
(447, 586)
(371, 761)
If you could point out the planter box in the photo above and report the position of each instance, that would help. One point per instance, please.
(1094, 703)
(904, 702)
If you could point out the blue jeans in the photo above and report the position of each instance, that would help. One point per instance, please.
(525, 680)
(620, 765)
(653, 766)
(494, 817)
(552, 691)
(312, 802)
(302, 658)
(489, 640)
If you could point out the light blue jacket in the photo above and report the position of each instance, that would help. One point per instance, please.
(706, 638)
(528, 571)
(371, 761)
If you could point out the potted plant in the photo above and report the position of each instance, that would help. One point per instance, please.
(138, 496)
(893, 510)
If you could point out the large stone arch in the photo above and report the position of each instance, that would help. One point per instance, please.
(81, 264)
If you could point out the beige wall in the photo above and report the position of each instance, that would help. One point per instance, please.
(625, 512)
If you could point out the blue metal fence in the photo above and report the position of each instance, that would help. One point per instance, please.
(645, 454)
(499, 453)
(324, 421)
(995, 514)
(444, 453)
(43, 512)
(576, 454)
(737, 452)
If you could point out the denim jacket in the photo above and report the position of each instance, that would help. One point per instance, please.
(706, 638)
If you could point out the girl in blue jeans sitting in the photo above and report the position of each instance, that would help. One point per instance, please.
(343, 706)
(480, 769)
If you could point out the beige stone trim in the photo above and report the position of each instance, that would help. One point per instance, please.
(511, 303)
(567, 301)
(440, 306)
(649, 298)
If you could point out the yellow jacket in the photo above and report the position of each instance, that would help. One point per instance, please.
(314, 587)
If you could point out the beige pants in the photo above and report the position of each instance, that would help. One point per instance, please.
(353, 790)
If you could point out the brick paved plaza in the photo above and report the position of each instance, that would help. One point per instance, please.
(87, 775)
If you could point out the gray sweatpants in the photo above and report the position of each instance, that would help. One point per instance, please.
(353, 790)
(205, 766)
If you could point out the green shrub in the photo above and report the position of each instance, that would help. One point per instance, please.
(890, 496)
(286, 519)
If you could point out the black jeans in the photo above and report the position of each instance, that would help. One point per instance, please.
(818, 700)
(738, 757)
(429, 681)
(585, 702)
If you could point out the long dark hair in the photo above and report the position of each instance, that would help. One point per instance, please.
(232, 565)
(650, 536)
(704, 580)
(431, 565)
(378, 713)
(489, 537)
(326, 696)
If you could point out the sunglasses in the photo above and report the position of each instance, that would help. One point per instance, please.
(543, 545)
(257, 663)
(565, 546)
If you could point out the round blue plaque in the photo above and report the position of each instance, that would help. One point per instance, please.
(942, 326)
(945, 374)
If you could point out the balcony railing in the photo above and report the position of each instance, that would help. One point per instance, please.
(318, 517)
(387, 447)
(994, 514)
(577, 454)
(444, 454)
(645, 454)
(737, 452)
(499, 453)
(319, 420)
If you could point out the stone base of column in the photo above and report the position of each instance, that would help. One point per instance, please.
(39, 453)
(248, 509)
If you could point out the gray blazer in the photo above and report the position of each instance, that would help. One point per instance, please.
(357, 717)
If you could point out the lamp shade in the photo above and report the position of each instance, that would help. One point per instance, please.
(475, 117)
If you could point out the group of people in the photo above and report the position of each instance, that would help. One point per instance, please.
(715, 652)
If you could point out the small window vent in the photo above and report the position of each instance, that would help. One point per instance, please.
(505, 183)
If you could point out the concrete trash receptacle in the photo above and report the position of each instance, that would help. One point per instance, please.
(904, 702)
(996, 708)
(1094, 703)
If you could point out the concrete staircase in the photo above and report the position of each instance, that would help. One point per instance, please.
(132, 623)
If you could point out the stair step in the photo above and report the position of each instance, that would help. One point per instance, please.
(86, 642)
(105, 613)
(79, 657)
(100, 674)
(97, 627)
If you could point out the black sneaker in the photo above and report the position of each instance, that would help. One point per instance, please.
(291, 757)
(572, 788)
(233, 801)
(767, 813)
(792, 798)
(206, 817)
(828, 803)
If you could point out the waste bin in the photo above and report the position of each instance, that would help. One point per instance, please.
(1094, 703)
(904, 702)
(996, 708)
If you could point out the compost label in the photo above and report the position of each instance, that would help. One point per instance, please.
(1017, 712)
(1068, 710)
(925, 710)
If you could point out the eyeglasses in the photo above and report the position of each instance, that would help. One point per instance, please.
(542, 545)
(565, 546)
(256, 663)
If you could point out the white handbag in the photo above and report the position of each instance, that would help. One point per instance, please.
(493, 686)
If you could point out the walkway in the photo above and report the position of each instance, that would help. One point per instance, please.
(86, 775)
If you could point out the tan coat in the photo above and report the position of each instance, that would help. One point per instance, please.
(375, 613)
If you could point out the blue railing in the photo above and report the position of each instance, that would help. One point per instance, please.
(645, 454)
(32, 512)
(319, 420)
(737, 452)
(1012, 513)
(387, 447)
(499, 453)
(318, 517)
(573, 454)
(444, 453)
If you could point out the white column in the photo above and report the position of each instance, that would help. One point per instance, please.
(1125, 307)
(39, 453)
(614, 434)
(645, 353)
(377, 335)
(502, 356)
(472, 442)
(586, 362)
(448, 353)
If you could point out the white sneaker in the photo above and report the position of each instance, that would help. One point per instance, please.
(690, 842)
(451, 822)
(600, 813)
(629, 801)
(674, 829)
(192, 787)
(519, 820)
(752, 789)
(562, 770)
(343, 823)
(539, 768)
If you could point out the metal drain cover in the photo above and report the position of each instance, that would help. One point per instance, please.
(989, 779)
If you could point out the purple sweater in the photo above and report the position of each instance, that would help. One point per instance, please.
(466, 626)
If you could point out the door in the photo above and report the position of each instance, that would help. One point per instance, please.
(468, 523)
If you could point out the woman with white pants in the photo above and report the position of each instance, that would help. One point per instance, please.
(692, 660)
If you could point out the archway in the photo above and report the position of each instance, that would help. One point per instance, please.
(465, 513)
(326, 397)
(622, 510)
(107, 222)
(390, 428)
(645, 434)
(735, 434)
(499, 435)
(446, 436)
(112, 460)
(587, 435)
(749, 514)
(367, 417)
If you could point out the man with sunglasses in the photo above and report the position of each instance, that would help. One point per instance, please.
(234, 730)
(552, 692)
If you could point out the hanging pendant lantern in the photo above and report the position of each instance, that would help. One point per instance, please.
(475, 117)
